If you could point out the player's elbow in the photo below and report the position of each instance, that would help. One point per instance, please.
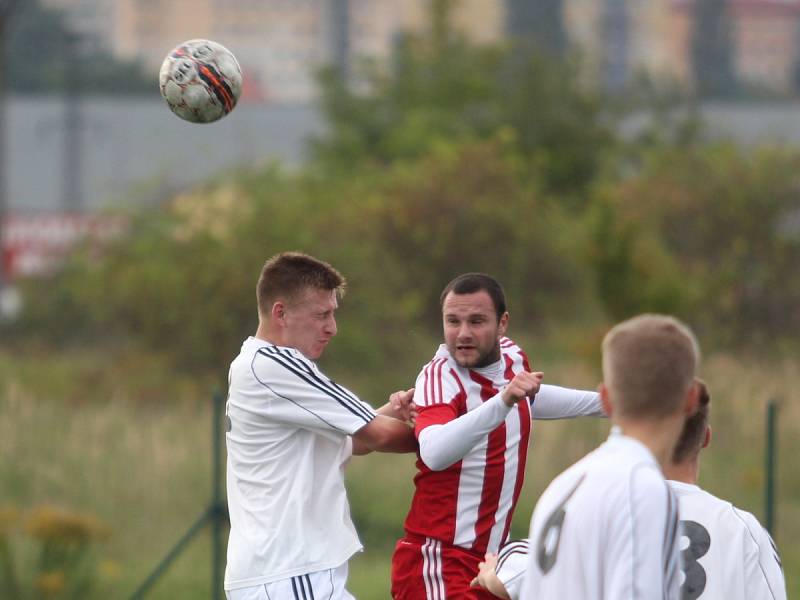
(432, 450)
(433, 461)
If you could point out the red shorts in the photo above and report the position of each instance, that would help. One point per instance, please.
(427, 569)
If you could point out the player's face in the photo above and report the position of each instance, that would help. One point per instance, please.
(471, 329)
(310, 322)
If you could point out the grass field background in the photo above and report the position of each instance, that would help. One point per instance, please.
(139, 462)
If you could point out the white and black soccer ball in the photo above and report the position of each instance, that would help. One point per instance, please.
(201, 81)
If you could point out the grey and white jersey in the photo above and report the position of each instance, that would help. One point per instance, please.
(726, 552)
(606, 528)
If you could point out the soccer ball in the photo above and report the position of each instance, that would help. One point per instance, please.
(201, 81)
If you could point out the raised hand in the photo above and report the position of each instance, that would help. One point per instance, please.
(524, 385)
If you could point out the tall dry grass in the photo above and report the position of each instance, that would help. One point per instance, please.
(144, 469)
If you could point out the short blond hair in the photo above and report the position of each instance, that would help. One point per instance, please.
(649, 365)
(287, 275)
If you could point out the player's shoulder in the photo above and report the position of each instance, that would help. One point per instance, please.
(721, 514)
(268, 361)
(510, 348)
(566, 484)
(438, 381)
(755, 530)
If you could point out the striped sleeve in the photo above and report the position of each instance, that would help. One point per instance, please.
(512, 561)
(300, 394)
(437, 383)
(762, 564)
(653, 556)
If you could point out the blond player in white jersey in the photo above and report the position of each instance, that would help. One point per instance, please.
(607, 527)
(290, 432)
(726, 553)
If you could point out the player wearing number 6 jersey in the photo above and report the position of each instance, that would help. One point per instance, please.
(475, 401)
(727, 554)
(607, 527)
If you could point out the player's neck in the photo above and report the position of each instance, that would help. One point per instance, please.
(685, 472)
(265, 332)
(659, 436)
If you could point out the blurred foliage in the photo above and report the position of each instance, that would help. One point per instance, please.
(461, 158)
(47, 552)
(718, 228)
(441, 87)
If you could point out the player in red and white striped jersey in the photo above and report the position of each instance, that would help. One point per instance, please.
(726, 552)
(475, 401)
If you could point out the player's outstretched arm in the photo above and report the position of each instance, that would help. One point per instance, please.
(556, 402)
(384, 434)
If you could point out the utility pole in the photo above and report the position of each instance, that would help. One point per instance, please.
(615, 31)
(6, 8)
(340, 36)
(72, 157)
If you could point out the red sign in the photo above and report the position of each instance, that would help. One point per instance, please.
(37, 243)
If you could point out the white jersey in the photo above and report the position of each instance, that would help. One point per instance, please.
(288, 442)
(726, 553)
(511, 563)
(606, 528)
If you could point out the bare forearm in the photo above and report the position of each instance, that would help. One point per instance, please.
(384, 434)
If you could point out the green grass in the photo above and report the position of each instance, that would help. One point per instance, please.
(143, 467)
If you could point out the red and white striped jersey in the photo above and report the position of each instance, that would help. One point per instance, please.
(471, 502)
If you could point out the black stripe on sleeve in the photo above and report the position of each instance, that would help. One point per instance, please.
(310, 587)
(353, 406)
(294, 590)
(331, 387)
(510, 549)
(298, 405)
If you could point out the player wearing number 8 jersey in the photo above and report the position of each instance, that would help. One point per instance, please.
(607, 527)
(727, 554)
(475, 401)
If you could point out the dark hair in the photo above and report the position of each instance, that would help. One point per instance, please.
(694, 429)
(469, 283)
(286, 275)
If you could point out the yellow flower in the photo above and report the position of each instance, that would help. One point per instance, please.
(109, 569)
(51, 582)
(51, 523)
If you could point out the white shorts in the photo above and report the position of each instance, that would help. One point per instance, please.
(320, 585)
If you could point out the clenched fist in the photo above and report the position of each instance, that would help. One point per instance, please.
(524, 385)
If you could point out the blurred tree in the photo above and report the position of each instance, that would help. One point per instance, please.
(712, 49)
(723, 226)
(540, 23)
(36, 43)
(445, 88)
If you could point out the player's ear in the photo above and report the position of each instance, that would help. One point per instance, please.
(502, 325)
(605, 399)
(278, 311)
(692, 399)
(707, 438)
